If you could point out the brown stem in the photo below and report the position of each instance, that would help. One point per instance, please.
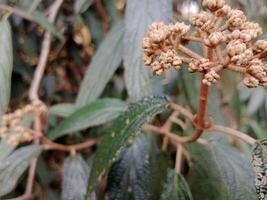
(33, 93)
(179, 158)
(50, 145)
(188, 52)
(237, 134)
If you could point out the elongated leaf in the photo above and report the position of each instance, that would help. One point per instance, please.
(12, 167)
(5, 149)
(75, 178)
(123, 130)
(6, 64)
(220, 172)
(139, 15)
(176, 188)
(104, 63)
(81, 6)
(256, 101)
(260, 168)
(43, 21)
(96, 113)
(131, 174)
(62, 110)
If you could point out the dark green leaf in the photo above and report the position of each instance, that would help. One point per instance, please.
(12, 167)
(81, 6)
(124, 129)
(176, 188)
(220, 172)
(260, 168)
(139, 15)
(93, 114)
(104, 63)
(62, 110)
(132, 174)
(43, 21)
(6, 64)
(75, 178)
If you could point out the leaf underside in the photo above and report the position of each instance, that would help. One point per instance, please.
(220, 172)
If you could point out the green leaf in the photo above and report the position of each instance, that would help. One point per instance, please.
(104, 63)
(6, 64)
(43, 21)
(256, 100)
(220, 172)
(80, 6)
(259, 162)
(257, 129)
(131, 174)
(176, 188)
(139, 15)
(5, 149)
(62, 110)
(12, 167)
(124, 129)
(75, 178)
(93, 114)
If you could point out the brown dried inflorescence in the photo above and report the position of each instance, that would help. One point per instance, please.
(224, 31)
(13, 131)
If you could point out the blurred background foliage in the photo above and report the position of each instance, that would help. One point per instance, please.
(96, 53)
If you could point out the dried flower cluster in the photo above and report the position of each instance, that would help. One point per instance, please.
(224, 31)
(12, 129)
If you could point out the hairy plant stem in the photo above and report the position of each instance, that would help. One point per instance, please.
(202, 107)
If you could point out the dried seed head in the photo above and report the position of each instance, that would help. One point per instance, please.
(213, 5)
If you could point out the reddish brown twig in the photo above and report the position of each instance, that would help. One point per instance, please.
(33, 93)
(50, 145)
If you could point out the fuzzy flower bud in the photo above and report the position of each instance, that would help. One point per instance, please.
(215, 38)
(213, 5)
(223, 12)
(235, 47)
(203, 21)
(199, 65)
(211, 77)
(179, 29)
(236, 18)
(251, 28)
(250, 81)
(260, 46)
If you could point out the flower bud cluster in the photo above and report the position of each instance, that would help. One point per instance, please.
(226, 32)
(261, 178)
(12, 130)
(159, 52)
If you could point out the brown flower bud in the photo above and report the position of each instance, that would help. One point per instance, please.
(213, 5)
